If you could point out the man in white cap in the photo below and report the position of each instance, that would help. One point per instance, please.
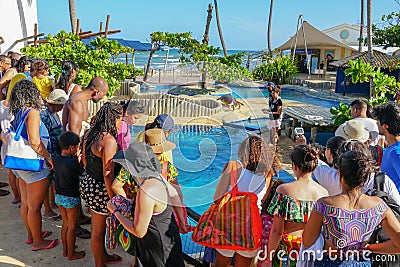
(358, 110)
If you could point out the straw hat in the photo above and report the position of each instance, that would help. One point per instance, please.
(353, 129)
(157, 140)
(57, 97)
(140, 160)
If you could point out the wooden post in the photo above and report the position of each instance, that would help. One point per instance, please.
(126, 59)
(166, 59)
(35, 32)
(101, 26)
(77, 26)
(106, 30)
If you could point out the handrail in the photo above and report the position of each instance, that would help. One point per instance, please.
(197, 260)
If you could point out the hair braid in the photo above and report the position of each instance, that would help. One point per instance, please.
(104, 121)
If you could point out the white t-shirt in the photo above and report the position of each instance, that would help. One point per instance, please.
(328, 177)
(372, 127)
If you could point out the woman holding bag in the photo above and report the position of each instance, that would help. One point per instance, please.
(255, 159)
(25, 100)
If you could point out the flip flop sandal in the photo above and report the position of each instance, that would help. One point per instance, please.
(3, 184)
(54, 243)
(52, 218)
(117, 259)
(14, 202)
(83, 233)
(44, 235)
(4, 192)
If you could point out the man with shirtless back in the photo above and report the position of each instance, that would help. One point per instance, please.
(76, 112)
(74, 119)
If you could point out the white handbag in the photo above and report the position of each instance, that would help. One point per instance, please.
(20, 155)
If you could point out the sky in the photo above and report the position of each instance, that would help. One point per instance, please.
(244, 23)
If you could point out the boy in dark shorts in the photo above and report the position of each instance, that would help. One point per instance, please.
(66, 173)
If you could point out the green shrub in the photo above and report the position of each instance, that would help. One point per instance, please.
(279, 69)
(95, 59)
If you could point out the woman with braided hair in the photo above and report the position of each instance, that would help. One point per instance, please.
(99, 148)
(69, 71)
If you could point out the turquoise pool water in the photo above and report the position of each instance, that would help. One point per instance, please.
(253, 92)
(200, 156)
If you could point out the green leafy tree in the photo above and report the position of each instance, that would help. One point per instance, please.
(387, 33)
(95, 59)
(382, 85)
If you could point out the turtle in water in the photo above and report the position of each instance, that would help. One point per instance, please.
(230, 101)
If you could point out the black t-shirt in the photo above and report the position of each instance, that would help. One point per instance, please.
(273, 106)
(66, 174)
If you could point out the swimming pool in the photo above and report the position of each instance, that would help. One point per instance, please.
(200, 157)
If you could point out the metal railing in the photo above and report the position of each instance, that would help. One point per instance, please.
(192, 252)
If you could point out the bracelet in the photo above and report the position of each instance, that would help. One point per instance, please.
(115, 211)
(49, 157)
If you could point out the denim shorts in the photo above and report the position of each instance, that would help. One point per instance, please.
(67, 202)
(31, 177)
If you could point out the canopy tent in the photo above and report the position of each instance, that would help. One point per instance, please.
(314, 38)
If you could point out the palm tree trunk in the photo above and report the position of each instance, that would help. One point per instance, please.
(369, 39)
(361, 38)
(72, 15)
(146, 73)
(205, 41)
(221, 37)
(271, 7)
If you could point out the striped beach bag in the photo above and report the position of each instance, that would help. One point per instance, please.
(234, 223)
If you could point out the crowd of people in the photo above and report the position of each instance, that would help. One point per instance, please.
(132, 188)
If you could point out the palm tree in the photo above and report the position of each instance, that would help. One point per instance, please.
(205, 41)
(72, 15)
(221, 37)
(361, 38)
(271, 6)
(369, 40)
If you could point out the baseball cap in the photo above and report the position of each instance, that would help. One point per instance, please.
(165, 122)
(270, 84)
(57, 97)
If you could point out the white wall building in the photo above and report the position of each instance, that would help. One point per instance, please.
(349, 34)
(17, 21)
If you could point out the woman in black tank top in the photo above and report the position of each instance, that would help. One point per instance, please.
(158, 241)
(99, 147)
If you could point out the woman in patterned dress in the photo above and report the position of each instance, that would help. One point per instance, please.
(349, 219)
(291, 207)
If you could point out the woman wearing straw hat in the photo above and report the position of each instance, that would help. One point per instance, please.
(158, 242)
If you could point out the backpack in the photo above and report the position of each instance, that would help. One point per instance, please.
(379, 235)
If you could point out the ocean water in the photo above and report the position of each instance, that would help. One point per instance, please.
(160, 60)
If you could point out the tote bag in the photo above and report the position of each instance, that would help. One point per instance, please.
(20, 155)
(234, 223)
